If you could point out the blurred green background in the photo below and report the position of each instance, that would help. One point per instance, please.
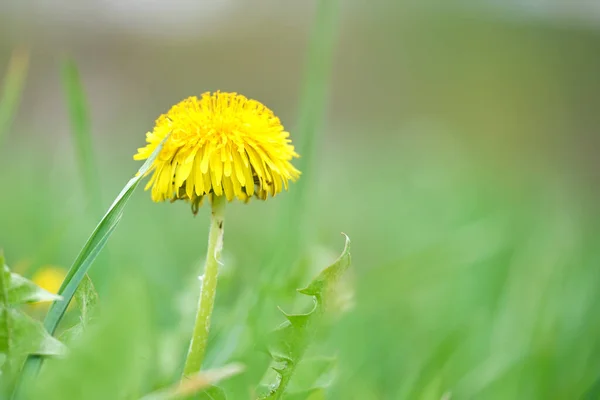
(458, 151)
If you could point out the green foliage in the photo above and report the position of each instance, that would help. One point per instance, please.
(295, 335)
(22, 290)
(86, 299)
(20, 335)
(95, 243)
(280, 267)
(110, 360)
(86, 257)
(476, 270)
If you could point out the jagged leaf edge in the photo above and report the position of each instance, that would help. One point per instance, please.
(40, 343)
(297, 325)
(326, 371)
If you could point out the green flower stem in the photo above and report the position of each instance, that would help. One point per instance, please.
(208, 289)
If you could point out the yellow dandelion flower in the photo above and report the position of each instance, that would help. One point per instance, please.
(49, 277)
(222, 144)
(225, 146)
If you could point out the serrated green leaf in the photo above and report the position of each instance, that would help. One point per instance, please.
(22, 290)
(279, 357)
(20, 335)
(26, 336)
(87, 255)
(30, 337)
(330, 274)
(298, 320)
(313, 373)
(293, 337)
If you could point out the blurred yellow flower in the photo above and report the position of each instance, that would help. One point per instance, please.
(222, 144)
(49, 277)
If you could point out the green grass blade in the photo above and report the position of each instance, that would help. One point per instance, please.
(315, 94)
(14, 83)
(316, 84)
(86, 257)
(81, 131)
(311, 114)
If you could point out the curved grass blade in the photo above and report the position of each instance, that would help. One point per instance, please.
(86, 257)
(14, 82)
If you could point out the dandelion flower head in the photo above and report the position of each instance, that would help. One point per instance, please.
(49, 277)
(222, 144)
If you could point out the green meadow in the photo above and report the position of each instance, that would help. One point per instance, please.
(442, 242)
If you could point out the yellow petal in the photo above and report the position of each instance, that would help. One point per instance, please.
(206, 155)
(216, 168)
(249, 181)
(257, 163)
(238, 166)
(198, 178)
(207, 183)
(182, 173)
(228, 188)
